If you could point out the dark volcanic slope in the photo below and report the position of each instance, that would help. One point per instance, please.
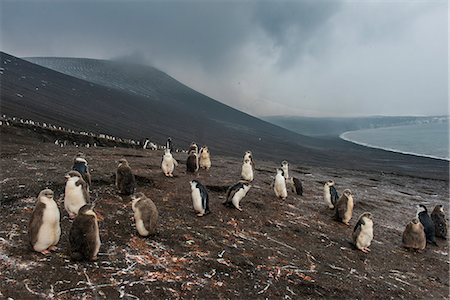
(134, 102)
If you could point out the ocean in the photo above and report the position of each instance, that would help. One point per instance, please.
(430, 140)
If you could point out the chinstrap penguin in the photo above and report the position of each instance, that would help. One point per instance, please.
(279, 186)
(248, 155)
(285, 168)
(169, 144)
(125, 180)
(75, 194)
(440, 223)
(192, 162)
(363, 232)
(344, 207)
(81, 166)
(247, 170)
(168, 163)
(200, 198)
(193, 147)
(44, 228)
(205, 158)
(236, 193)
(428, 225)
(414, 236)
(145, 214)
(330, 195)
(84, 235)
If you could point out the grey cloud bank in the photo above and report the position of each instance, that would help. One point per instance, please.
(315, 58)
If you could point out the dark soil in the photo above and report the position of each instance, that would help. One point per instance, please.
(273, 249)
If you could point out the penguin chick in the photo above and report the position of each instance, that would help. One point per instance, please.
(192, 162)
(440, 223)
(344, 207)
(205, 158)
(428, 225)
(200, 198)
(81, 166)
(280, 185)
(330, 194)
(125, 180)
(168, 163)
(75, 194)
(363, 232)
(414, 236)
(84, 236)
(236, 193)
(44, 228)
(145, 214)
(193, 147)
(247, 170)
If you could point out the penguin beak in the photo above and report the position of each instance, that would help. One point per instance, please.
(67, 176)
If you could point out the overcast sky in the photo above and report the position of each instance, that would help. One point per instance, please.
(309, 58)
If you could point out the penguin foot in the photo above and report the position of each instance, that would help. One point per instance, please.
(365, 250)
(52, 248)
(170, 175)
(200, 214)
(72, 216)
(45, 252)
(240, 209)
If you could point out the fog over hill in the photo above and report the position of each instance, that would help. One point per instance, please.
(132, 101)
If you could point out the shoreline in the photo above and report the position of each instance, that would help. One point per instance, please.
(343, 137)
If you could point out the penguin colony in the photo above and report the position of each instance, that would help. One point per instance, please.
(44, 226)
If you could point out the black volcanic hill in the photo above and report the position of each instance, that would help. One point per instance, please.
(133, 101)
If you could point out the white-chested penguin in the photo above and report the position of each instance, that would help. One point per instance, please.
(279, 186)
(363, 232)
(285, 168)
(200, 198)
(125, 180)
(440, 222)
(44, 228)
(205, 158)
(247, 170)
(81, 166)
(75, 194)
(344, 207)
(84, 235)
(236, 193)
(168, 163)
(248, 155)
(414, 236)
(428, 225)
(330, 195)
(145, 214)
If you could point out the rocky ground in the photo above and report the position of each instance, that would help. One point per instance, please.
(272, 249)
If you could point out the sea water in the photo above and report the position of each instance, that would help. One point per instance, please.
(430, 140)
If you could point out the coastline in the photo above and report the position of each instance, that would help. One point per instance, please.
(345, 138)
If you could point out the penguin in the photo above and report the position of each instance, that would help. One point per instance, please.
(363, 232)
(330, 195)
(192, 162)
(247, 170)
(236, 193)
(440, 223)
(285, 168)
(168, 163)
(205, 158)
(125, 180)
(44, 228)
(193, 147)
(84, 235)
(169, 144)
(428, 225)
(414, 235)
(280, 185)
(344, 207)
(295, 185)
(248, 155)
(81, 166)
(200, 198)
(145, 214)
(75, 194)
